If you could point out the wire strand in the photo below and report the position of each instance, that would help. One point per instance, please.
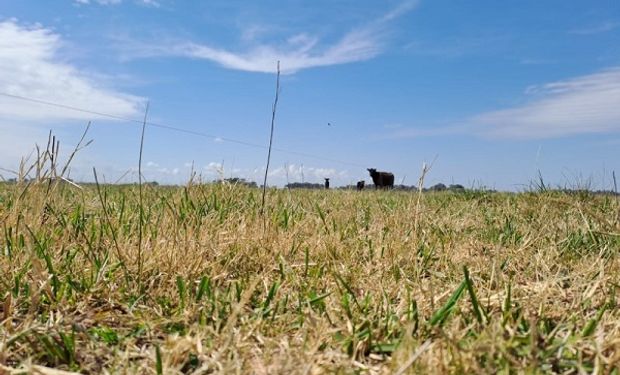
(178, 129)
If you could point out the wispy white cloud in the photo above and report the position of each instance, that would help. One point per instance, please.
(597, 29)
(581, 105)
(151, 3)
(100, 2)
(587, 104)
(214, 167)
(298, 52)
(401, 9)
(296, 173)
(30, 66)
(253, 32)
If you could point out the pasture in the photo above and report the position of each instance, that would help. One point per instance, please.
(325, 282)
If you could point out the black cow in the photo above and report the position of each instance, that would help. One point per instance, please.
(381, 179)
(360, 185)
(327, 183)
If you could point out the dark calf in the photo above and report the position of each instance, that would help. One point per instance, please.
(381, 179)
(327, 183)
(360, 185)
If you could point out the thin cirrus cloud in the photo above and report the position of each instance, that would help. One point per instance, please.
(100, 2)
(598, 29)
(582, 105)
(30, 67)
(151, 3)
(298, 52)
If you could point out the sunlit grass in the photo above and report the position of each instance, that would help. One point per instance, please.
(346, 281)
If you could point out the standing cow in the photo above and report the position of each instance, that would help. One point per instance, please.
(360, 185)
(383, 180)
(327, 183)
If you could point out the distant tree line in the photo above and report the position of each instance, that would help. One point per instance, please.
(307, 185)
(437, 187)
(239, 181)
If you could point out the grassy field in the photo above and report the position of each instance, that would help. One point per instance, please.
(328, 281)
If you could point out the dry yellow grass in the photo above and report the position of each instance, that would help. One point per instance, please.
(336, 281)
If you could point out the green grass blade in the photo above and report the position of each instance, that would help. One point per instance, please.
(589, 329)
(478, 312)
(159, 367)
(442, 314)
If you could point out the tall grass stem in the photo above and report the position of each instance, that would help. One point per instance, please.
(273, 119)
(146, 111)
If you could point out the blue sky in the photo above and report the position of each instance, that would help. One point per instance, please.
(492, 91)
